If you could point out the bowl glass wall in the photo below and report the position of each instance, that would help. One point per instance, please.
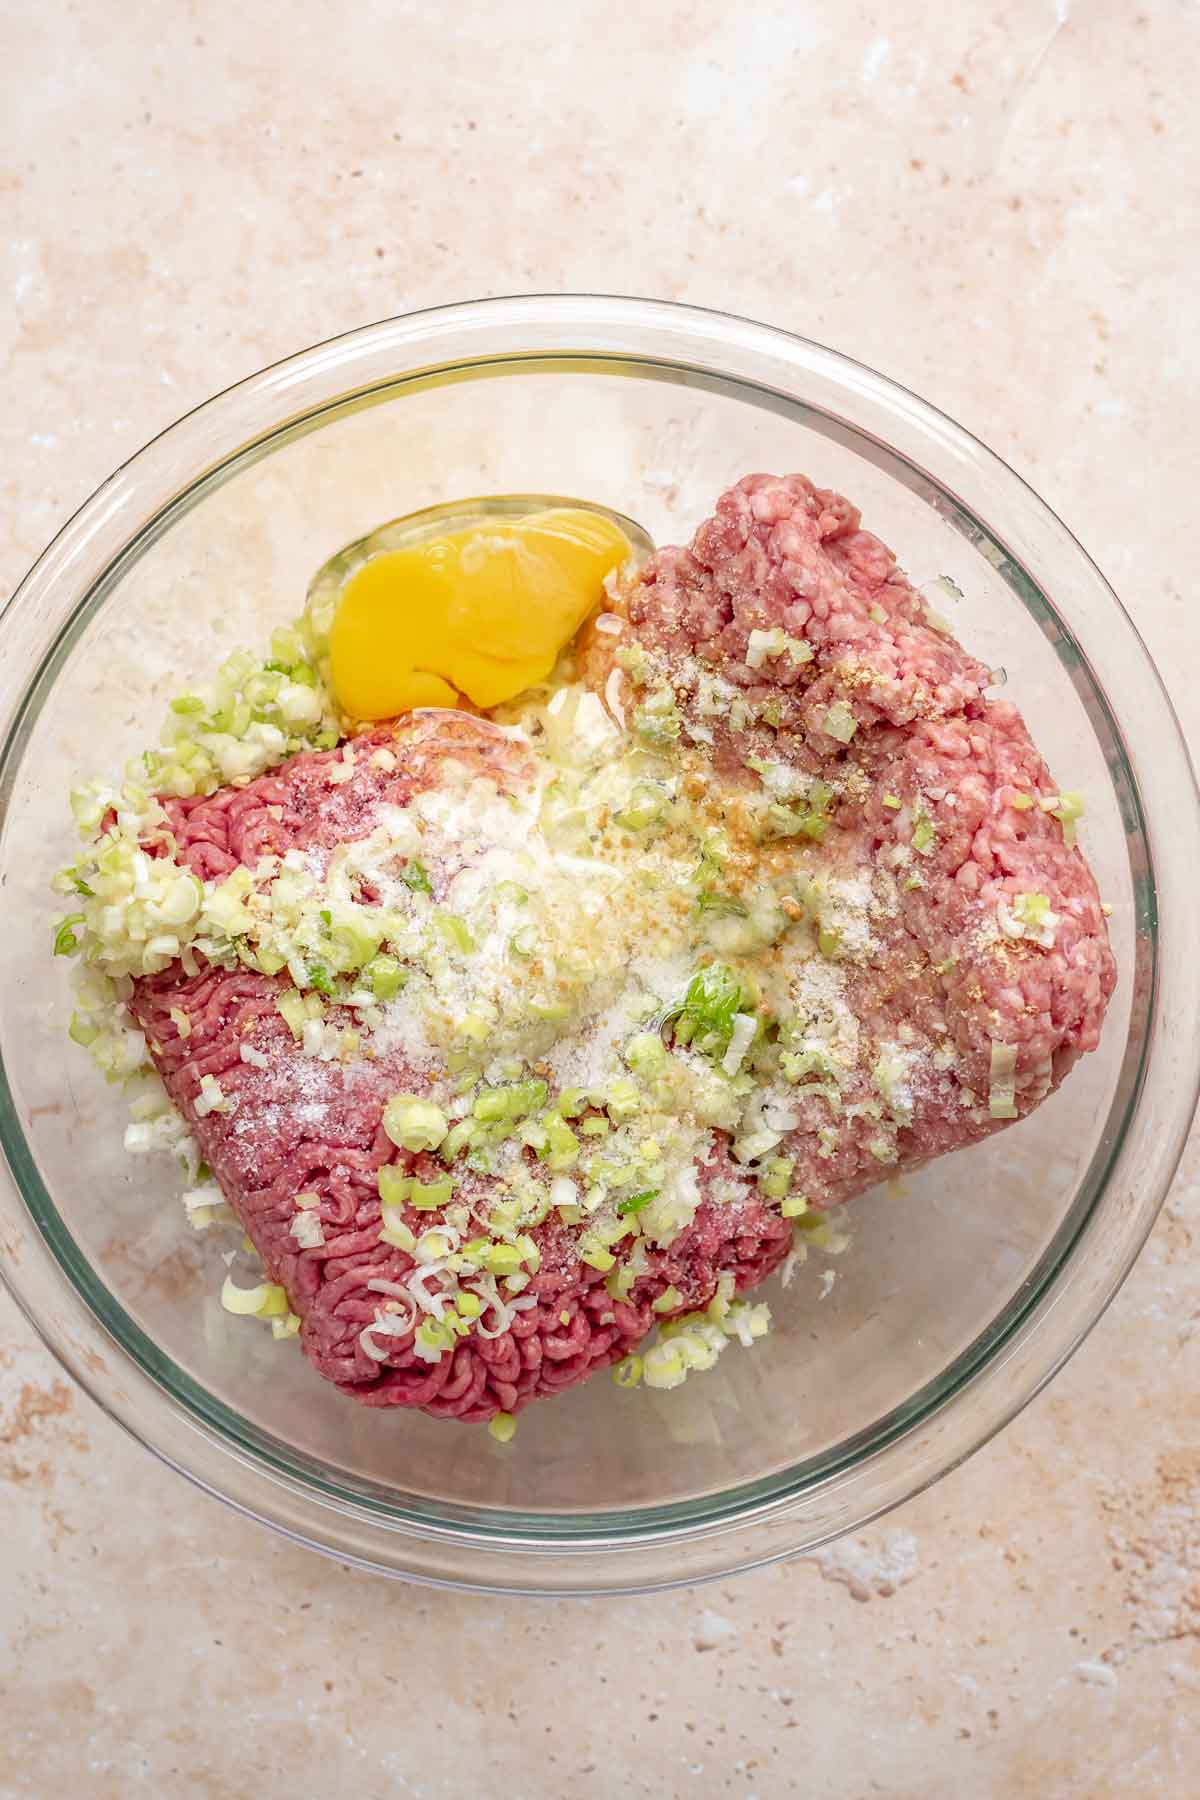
(963, 1288)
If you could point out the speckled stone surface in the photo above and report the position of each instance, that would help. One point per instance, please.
(995, 203)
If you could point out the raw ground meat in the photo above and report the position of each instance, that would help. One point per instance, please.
(777, 552)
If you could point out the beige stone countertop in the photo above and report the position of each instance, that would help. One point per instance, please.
(995, 203)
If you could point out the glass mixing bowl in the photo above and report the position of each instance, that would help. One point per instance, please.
(960, 1295)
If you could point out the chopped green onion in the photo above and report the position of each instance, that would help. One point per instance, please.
(244, 1302)
(433, 1337)
(428, 1196)
(455, 931)
(493, 1104)
(503, 1428)
(266, 1301)
(385, 977)
(664, 1366)
(646, 805)
(840, 722)
(622, 1099)
(523, 943)
(393, 1230)
(530, 1254)
(628, 1372)
(65, 941)
(634, 1203)
(82, 1031)
(787, 821)
(290, 1007)
(461, 1136)
(636, 662)
(539, 1008)
(318, 977)
(1002, 1081)
(723, 905)
(415, 876)
(745, 1028)
(562, 1146)
(414, 1124)
(1066, 808)
(761, 644)
(646, 1054)
(657, 719)
(777, 1176)
(620, 1283)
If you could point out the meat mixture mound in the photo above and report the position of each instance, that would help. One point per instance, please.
(949, 962)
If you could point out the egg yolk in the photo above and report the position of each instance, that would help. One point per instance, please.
(482, 612)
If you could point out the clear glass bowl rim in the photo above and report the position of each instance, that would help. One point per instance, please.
(1014, 1356)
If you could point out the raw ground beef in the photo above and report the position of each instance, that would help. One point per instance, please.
(777, 552)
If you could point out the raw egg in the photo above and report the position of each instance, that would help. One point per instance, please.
(423, 617)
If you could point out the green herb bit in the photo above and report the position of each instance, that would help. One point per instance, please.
(634, 1203)
(415, 877)
(318, 977)
(722, 905)
(714, 998)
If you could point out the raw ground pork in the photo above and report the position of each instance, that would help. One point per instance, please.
(777, 552)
